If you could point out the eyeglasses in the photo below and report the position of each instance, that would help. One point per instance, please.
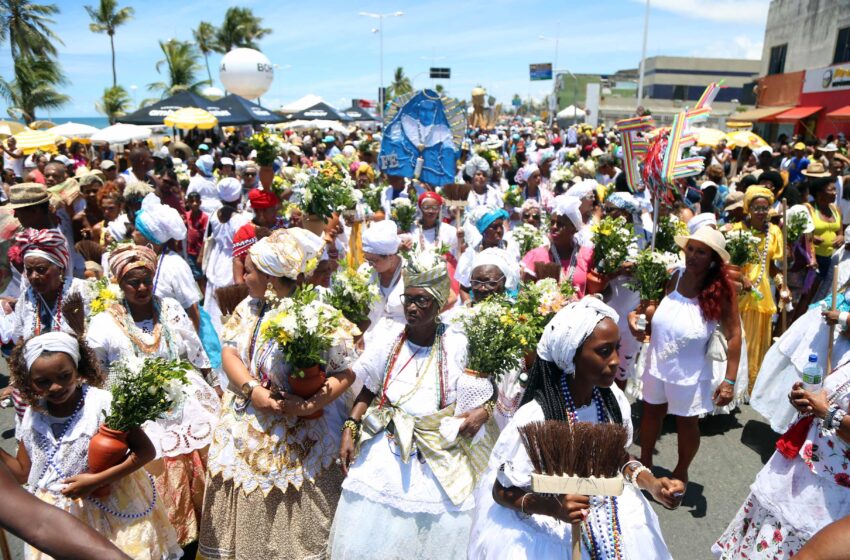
(136, 282)
(432, 207)
(419, 301)
(250, 174)
(532, 216)
(486, 284)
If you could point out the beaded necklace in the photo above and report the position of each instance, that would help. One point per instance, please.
(254, 335)
(762, 265)
(436, 350)
(599, 544)
(65, 426)
(56, 316)
(573, 259)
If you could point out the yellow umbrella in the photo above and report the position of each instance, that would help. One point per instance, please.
(745, 138)
(739, 124)
(708, 136)
(42, 125)
(188, 118)
(7, 128)
(30, 141)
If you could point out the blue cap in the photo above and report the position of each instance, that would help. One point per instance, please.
(329, 138)
(203, 147)
(813, 358)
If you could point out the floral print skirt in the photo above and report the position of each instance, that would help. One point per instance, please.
(757, 533)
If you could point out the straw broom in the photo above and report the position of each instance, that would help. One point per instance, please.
(457, 198)
(580, 458)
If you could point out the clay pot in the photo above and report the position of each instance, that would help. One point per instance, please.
(735, 275)
(266, 176)
(313, 223)
(596, 283)
(307, 386)
(474, 373)
(107, 448)
(529, 359)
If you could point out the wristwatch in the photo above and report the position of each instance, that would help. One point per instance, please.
(248, 388)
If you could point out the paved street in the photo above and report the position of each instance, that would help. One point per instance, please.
(733, 450)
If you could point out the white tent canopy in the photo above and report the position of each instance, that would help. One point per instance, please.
(320, 124)
(300, 104)
(121, 134)
(74, 130)
(571, 111)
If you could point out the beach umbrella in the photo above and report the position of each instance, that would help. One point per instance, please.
(121, 134)
(708, 136)
(320, 124)
(30, 141)
(8, 128)
(74, 130)
(188, 118)
(746, 138)
(42, 125)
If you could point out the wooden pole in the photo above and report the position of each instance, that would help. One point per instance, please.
(828, 369)
(784, 316)
(576, 537)
(4, 546)
(654, 220)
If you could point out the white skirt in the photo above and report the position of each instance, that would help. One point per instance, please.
(364, 529)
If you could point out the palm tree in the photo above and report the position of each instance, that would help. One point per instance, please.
(181, 61)
(440, 89)
(26, 25)
(400, 84)
(105, 19)
(114, 103)
(205, 37)
(33, 88)
(241, 28)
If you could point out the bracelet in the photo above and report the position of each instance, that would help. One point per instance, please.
(353, 425)
(635, 473)
(488, 407)
(729, 381)
(633, 464)
(522, 503)
(838, 418)
(830, 414)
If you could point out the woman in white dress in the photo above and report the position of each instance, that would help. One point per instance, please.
(223, 225)
(484, 228)
(380, 250)
(429, 231)
(408, 492)
(571, 381)
(476, 172)
(142, 325)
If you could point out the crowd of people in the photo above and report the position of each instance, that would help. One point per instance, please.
(202, 244)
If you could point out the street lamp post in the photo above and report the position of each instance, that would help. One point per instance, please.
(380, 32)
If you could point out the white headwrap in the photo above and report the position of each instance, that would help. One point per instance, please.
(568, 330)
(502, 260)
(287, 253)
(381, 238)
(51, 342)
(476, 163)
(583, 188)
(229, 189)
(159, 222)
(568, 206)
(701, 221)
(117, 228)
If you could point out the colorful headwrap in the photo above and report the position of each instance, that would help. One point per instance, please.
(624, 201)
(754, 192)
(261, 199)
(491, 216)
(524, 173)
(568, 330)
(363, 168)
(545, 155)
(158, 222)
(244, 238)
(57, 341)
(428, 271)
(48, 244)
(127, 257)
(429, 195)
(287, 253)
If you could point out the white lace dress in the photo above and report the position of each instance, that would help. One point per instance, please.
(505, 534)
(219, 265)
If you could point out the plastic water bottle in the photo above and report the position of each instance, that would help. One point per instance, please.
(812, 375)
(641, 323)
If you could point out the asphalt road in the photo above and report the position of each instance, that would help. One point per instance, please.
(734, 448)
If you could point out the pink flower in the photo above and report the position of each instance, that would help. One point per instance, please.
(807, 452)
(777, 536)
(842, 479)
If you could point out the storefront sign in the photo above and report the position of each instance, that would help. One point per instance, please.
(830, 78)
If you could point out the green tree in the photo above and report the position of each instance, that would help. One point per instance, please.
(440, 89)
(105, 19)
(114, 103)
(181, 64)
(26, 25)
(400, 84)
(33, 88)
(205, 37)
(241, 28)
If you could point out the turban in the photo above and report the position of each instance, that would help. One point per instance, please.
(524, 173)
(428, 271)
(624, 201)
(530, 204)
(502, 260)
(364, 168)
(583, 188)
(229, 189)
(429, 195)
(545, 155)
(287, 253)
(244, 238)
(700, 221)
(48, 244)
(261, 199)
(158, 222)
(487, 220)
(475, 164)
(127, 257)
(51, 342)
(754, 192)
(568, 206)
(381, 238)
(118, 229)
(568, 330)
(205, 165)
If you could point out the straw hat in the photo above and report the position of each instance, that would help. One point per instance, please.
(708, 236)
(27, 194)
(831, 147)
(816, 169)
(84, 176)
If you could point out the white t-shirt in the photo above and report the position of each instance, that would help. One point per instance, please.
(175, 280)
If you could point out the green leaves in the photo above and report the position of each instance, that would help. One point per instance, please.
(147, 392)
(496, 337)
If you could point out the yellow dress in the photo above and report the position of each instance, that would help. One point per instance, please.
(757, 307)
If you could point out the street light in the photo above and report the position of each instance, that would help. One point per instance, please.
(380, 32)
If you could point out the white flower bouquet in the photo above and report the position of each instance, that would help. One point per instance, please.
(527, 237)
(352, 293)
(403, 214)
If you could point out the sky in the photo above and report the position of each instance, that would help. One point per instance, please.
(327, 49)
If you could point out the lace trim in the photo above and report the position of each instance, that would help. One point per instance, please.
(402, 504)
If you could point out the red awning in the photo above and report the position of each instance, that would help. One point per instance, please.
(842, 114)
(796, 114)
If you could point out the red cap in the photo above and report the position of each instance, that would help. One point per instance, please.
(431, 195)
(261, 199)
(243, 239)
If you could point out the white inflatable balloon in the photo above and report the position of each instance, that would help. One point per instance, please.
(246, 72)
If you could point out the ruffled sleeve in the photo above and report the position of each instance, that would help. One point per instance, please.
(369, 367)
(509, 453)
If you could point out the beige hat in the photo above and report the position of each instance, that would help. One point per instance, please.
(816, 169)
(27, 194)
(106, 165)
(708, 236)
(734, 200)
(85, 177)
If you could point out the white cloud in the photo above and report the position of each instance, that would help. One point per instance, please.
(739, 46)
(731, 11)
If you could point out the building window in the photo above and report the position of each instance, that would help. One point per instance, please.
(842, 46)
(777, 59)
(679, 93)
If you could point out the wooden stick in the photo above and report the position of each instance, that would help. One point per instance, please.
(828, 369)
(784, 317)
(4, 546)
(576, 536)
(654, 221)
